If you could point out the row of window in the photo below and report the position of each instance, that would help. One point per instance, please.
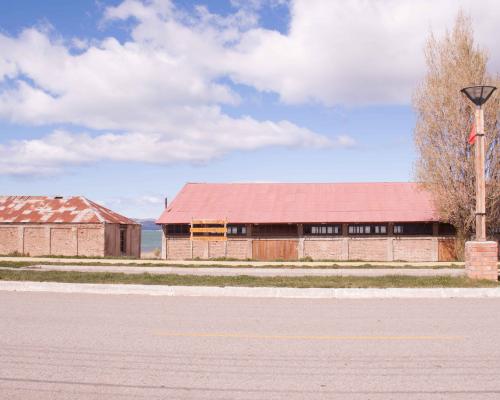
(322, 229)
(423, 229)
(369, 229)
(184, 229)
(237, 230)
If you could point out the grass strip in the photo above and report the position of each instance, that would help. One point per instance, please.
(246, 281)
(19, 264)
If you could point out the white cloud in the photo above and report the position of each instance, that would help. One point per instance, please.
(346, 141)
(353, 51)
(158, 97)
(148, 101)
(336, 51)
(48, 154)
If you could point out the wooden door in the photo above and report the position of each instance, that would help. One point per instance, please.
(269, 250)
(447, 250)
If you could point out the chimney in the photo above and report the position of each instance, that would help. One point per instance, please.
(166, 202)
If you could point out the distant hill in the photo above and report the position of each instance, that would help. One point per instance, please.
(147, 224)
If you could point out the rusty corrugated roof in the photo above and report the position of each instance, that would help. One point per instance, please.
(301, 203)
(43, 209)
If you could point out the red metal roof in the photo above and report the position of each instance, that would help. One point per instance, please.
(71, 210)
(301, 202)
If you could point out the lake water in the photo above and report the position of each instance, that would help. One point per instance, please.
(150, 240)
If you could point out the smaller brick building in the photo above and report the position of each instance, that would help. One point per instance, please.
(65, 226)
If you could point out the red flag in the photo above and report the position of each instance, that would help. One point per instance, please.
(472, 135)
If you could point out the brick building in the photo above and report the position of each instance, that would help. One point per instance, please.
(345, 221)
(71, 226)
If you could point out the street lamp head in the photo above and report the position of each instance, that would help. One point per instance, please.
(478, 94)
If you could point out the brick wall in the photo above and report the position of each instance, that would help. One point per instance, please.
(368, 249)
(343, 248)
(200, 249)
(239, 249)
(53, 239)
(178, 249)
(324, 249)
(91, 242)
(217, 249)
(63, 242)
(36, 241)
(415, 250)
(10, 240)
(481, 260)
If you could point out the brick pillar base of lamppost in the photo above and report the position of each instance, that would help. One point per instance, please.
(481, 260)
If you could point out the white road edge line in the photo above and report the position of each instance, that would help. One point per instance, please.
(266, 292)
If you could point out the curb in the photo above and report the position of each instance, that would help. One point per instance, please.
(262, 292)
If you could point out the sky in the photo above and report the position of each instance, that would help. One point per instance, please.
(125, 101)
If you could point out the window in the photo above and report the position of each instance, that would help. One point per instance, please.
(446, 229)
(178, 230)
(123, 240)
(360, 229)
(322, 230)
(269, 230)
(240, 230)
(424, 229)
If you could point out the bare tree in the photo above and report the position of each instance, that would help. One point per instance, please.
(445, 160)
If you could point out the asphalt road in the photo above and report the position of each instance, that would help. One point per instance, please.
(76, 346)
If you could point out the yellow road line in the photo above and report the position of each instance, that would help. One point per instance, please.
(299, 337)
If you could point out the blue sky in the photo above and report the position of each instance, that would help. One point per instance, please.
(124, 102)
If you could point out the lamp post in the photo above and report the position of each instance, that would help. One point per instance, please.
(479, 95)
(481, 256)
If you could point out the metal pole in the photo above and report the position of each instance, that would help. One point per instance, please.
(480, 178)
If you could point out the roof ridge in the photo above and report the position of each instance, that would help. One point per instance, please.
(92, 205)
